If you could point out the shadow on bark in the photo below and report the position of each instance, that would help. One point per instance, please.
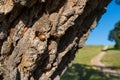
(39, 38)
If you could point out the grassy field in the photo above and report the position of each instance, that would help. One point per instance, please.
(82, 68)
(85, 55)
(112, 58)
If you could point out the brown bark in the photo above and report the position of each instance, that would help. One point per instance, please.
(39, 38)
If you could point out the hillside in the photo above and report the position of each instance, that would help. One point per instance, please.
(82, 69)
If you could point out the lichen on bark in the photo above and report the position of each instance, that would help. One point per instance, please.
(39, 38)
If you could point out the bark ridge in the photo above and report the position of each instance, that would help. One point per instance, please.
(39, 38)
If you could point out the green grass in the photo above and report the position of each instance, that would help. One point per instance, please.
(82, 68)
(112, 58)
(85, 55)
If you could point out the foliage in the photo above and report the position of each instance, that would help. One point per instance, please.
(114, 35)
(117, 2)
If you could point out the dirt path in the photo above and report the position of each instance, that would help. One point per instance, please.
(96, 61)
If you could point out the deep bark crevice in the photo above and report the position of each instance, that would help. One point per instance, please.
(39, 38)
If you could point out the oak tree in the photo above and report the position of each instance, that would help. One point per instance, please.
(39, 38)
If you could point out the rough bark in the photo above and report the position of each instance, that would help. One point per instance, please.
(39, 38)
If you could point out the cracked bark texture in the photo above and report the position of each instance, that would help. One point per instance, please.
(39, 38)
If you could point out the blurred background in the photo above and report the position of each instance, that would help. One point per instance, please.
(99, 36)
(100, 58)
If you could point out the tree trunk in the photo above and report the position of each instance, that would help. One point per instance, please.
(39, 38)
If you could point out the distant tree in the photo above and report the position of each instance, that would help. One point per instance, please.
(114, 35)
(117, 2)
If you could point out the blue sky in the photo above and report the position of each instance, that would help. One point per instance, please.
(99, 36)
